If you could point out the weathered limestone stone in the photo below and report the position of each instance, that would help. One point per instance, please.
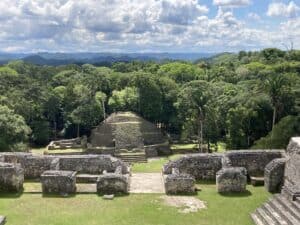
(177, 183)
(91, 164)
(274, 173)
(200, 166)
(58, 182)
(2, 220)
(11, 177)
(292, 170)
(231, 179)
(112, 183)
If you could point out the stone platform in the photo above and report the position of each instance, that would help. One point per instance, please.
(147, 183)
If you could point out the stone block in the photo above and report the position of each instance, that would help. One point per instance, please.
(177, 183)
(292, 170)
(274, 175)
(231, 179)
(11, 177)
(58, 182)
(112, 183)
(2, 220)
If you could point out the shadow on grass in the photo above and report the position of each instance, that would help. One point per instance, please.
(236, 195)
(11, 195)
(44, 195)
(206, 182)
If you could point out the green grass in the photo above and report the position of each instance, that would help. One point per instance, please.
(153, 166)
(134, 209)
(183, 146)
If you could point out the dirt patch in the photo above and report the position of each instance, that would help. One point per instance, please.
(184, 204)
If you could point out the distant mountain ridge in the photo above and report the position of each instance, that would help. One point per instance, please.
(55, 59)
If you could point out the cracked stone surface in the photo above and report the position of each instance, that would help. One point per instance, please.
(146, 183)
(184, 204)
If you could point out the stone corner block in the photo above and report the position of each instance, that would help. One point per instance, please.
(58, 182)
(231, 179)
(112, 183)
(11, 177)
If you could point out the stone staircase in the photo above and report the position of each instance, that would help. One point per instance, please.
(278, 211)
(132, 157)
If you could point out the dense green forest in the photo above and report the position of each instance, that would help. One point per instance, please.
(248, 100)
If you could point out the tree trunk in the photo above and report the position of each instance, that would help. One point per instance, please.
(78, 131)
(273, 122)
(200, 130)
(103, 106)
(55, 128)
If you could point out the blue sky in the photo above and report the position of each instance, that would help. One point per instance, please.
(148, 25)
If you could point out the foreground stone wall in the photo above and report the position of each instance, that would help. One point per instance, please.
(292, 170)
(200, 166)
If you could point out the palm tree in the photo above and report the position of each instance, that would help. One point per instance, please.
(274, 85)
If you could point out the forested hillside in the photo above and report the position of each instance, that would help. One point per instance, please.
(233, 98)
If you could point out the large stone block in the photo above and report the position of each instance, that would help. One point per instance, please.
(274, 173)
(179, 184)
(113, 183)
(231, 179)
(11, 177)
(292, 170)
(58, 182)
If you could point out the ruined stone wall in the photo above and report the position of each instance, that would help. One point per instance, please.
(205, 166)
(200, 166)
(254, 161)
(91, 164)
(35, 165)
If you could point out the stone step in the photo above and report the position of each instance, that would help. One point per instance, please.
(87, 178)
(268, 220)
(297, 204)
(274, 214)
(289, 206)
(284, 213)
(256, 219)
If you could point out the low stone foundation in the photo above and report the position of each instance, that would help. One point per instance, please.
(274, 175)
(11, 177)
(231, 179)
(58, 182)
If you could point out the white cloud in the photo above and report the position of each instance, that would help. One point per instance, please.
(284, 10)
(231, 3)
(131, 25)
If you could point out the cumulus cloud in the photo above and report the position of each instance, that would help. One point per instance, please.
(130, 25)
(284, 10)
(231, 3)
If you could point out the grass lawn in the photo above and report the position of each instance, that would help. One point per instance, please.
(153, 165)
(135, 209)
